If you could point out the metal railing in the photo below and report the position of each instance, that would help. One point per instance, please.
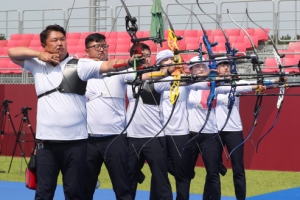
(10, 22)
(288, 19)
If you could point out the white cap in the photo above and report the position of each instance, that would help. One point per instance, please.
(196, 58)
(224, 60)
(163, 55)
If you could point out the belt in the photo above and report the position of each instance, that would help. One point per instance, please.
(101, 135)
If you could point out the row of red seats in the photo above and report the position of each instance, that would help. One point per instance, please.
(262, 36)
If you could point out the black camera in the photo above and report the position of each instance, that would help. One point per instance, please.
(24, 109)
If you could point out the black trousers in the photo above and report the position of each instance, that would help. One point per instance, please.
(179, 162)
(155, 154)
(208, 145)
(67, 157)
(231, 140)
(116, 162)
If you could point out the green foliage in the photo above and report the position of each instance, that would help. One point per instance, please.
(258, 182)
(2, 36)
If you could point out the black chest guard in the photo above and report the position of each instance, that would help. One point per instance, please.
(149, 95)
(71, 83)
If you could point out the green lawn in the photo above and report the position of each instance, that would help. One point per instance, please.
(258, 182)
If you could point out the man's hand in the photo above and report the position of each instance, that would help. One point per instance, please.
(52, 59)
(139, 62)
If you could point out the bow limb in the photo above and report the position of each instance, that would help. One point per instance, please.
(277, 57)
(260, 79)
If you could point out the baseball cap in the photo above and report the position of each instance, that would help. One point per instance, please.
(224, 60)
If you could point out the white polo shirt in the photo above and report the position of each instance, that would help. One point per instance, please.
(60, 116)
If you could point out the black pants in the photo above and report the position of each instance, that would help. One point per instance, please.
(208, 145)
(156, 155)
(69, 157)
(179, 162)
(231, 140)
(116, 162)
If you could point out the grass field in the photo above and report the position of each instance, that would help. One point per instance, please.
(258, 182)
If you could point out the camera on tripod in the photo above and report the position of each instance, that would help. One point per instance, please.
(24, 109)
(6, 102)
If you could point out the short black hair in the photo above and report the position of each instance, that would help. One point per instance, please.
(44, 34)
(94, 37)
(143, 46)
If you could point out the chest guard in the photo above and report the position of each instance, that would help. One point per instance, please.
(149, 95)
(71, 83)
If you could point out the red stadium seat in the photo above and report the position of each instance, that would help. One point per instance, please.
(81, 42)
(73, 35)
(236, 39)
(294, 46)
(15, 36)
(262, 36)
(190, 33)
(111, 34)
(24, 43)
(200, 33)
(248, 43)
(5, 51)
(232, 32)
(12, 43)
(72, 50)
(139, 34)
(35, 43)
(72, 42)
(288, 53)
(83, 35)
(290, 61)
(13, 68)
(3, 43)
(270, 62)
(146, 34)
(219, 39)
(112, 41)
(80, 48)
(123, 41)
(27, 36)
(112, 48)
(36, 37)
(250, 31)
(191, 40)
(220, 47)
(123, 34)
(192, 46)
(240, 46)
(122, 49)
(217, 32)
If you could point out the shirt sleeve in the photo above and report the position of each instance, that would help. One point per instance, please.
(199, 86)
(160, 87)
(88, 69)
(30, 64)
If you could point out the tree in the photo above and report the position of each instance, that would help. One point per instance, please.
(2, 36)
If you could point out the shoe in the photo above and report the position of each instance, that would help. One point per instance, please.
(222, 169)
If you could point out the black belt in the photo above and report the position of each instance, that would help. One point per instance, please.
(49, 92)
(58, 141)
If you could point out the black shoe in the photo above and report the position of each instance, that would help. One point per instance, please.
(222, 169)
(141, 177)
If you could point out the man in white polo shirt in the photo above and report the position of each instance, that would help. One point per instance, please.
(60, 83)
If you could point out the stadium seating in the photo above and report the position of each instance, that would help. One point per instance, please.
(262, 36)
(3, 43)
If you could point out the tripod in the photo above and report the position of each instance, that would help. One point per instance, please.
(24, 120)
(5, 112)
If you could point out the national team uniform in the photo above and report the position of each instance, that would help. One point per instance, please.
(61, 128)
(207, 143)
(106, 117)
